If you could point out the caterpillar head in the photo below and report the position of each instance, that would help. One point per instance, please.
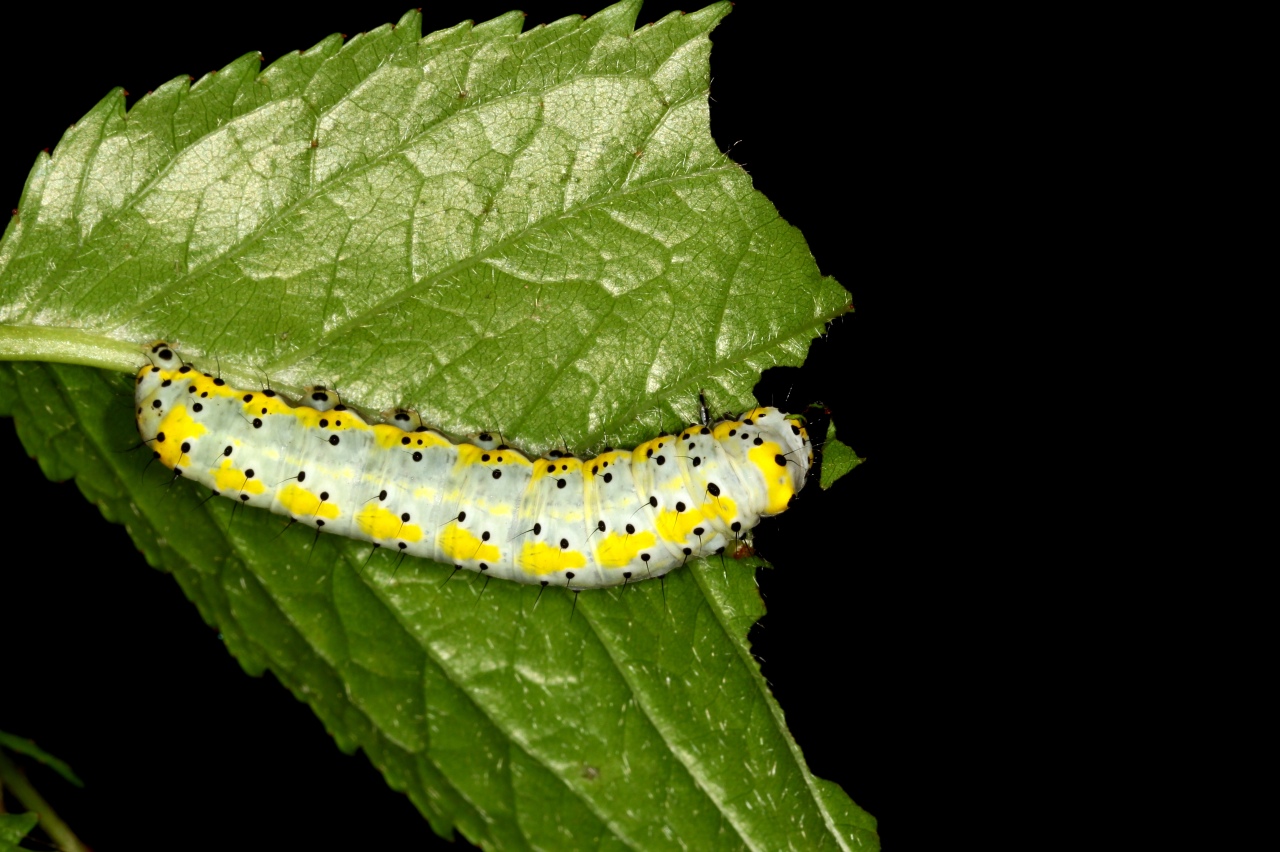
(780, 450)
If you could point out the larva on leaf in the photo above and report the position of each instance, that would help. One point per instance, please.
(620, 517)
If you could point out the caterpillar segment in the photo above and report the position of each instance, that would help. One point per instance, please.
(621, 517)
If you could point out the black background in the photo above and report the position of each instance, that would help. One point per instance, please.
(110, 668)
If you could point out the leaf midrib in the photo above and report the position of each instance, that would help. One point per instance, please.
(639, 698)
(775, 712)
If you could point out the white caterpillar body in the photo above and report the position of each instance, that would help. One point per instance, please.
(623, 516)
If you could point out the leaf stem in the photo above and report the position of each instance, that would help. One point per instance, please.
(22, 790)
(67, 346)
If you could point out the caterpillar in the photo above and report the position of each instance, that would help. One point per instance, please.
(620, 517)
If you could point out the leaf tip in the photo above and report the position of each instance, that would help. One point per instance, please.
(838, 459)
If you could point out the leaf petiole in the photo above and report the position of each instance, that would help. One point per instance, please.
(16, 781)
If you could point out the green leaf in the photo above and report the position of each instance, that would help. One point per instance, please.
(529, 231)
(837, 459)
(19, 745)
(13, 828)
